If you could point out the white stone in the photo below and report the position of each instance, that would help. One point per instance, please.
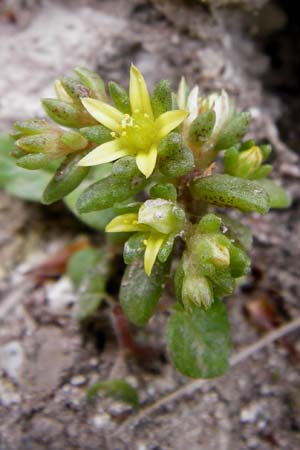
(11, 359)
(60, 295)
(250, 413)
(101, 420)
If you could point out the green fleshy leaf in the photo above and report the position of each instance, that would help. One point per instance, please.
(87, 304)
(234, 131)
(17, 181)
(39, 143)
(178, 281)
(201, 128)
(129, 206)
(67, 114)
(239, 262)
(140, 293)
(82, 262)
(228, 191)
(92, 81)
(75, 89)
(68, 176)
(125, 168)
(166, 249)
(117, 389)
(134, 247)
(161, 99)
(175, 158)
(119, 97)
(262, 172)
(32, 126)
(95, 219)
(210, 223)
(106, 192)
(223, 283)
(279, 198)
(88, 270)
(74, 140)
(266, 150)
(199, 344)
(33, 161)
(166, 191)
(92, 290)
(97, 134)
(238, 232)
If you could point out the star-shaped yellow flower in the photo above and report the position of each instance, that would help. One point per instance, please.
(160, 219)
(137, 134)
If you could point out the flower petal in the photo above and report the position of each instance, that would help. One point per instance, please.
(138, 93)
(146, 161)
(104, 153)
(192, 104)
(182, 93)
(124, 223)
(169, 120)
(153, 245)
(106, 114)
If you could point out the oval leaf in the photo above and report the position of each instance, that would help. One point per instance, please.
(17, 181)
(279, 198)
(106, 192)
(67, 177)
(200, 343)
(232, 192)
(117, 389)
(140, 293)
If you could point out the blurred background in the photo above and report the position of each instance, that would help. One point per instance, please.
(251, 49)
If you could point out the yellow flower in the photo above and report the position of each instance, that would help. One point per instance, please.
(137, 134)
(159, 218)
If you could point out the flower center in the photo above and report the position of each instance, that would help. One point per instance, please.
(138, 131)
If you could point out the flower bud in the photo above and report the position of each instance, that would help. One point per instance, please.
(162, 215)
(182, 94)
(223, 107)
(213, 249)
(196, 290)
(248, 161)
(49, 144)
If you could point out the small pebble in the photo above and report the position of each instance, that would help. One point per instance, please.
(100, 420)
(78, 380)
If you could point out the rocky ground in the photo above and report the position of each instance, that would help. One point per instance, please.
(46, 360)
